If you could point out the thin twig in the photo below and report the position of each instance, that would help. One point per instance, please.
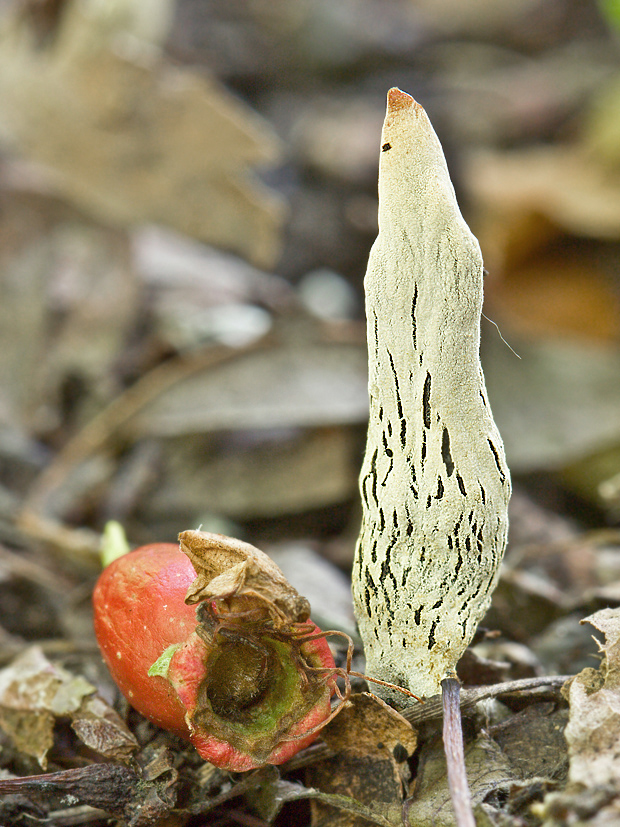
(76, 816)
(432, 710)
(433, 707)
(455, 754)
(97, 432)
(24, 567)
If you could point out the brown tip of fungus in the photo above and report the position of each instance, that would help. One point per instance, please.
(397, 99)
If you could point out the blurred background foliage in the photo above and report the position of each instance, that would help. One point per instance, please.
(187, 202)
(188, 198)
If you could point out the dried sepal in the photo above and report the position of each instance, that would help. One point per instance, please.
(241, 578)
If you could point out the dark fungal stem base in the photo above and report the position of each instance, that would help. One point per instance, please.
(455, 753)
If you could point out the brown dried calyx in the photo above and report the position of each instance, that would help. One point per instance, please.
(240, 576)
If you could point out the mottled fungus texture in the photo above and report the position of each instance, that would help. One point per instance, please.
(434, 483)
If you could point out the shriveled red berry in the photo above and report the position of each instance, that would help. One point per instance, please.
(245, 690)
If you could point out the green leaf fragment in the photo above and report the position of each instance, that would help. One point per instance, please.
(610, 9)
(113, 543)
(162, 664)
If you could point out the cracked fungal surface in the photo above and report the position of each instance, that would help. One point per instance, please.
(434, 483)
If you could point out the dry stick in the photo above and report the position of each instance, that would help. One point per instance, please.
(35, 519)
(434, 483)
(432, 709)
(96, 434)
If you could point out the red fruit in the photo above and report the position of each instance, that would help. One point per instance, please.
(244, 689)
(139, 611)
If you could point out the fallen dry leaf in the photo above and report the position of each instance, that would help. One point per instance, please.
(546, 218)
(253, 474)
(556, 404)
(34, 693)
(372, 743)
(132, 138)
(593, 730)
(101, 728)
(488, 770)
(533, 741)
(562, 184)
(69, 303)
(479, 16)
(297, 383)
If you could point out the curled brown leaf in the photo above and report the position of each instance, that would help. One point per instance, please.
(235, 573)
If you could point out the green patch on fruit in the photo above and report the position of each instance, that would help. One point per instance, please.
(162, 664)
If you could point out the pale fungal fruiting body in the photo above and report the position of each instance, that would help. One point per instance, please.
(434, 483)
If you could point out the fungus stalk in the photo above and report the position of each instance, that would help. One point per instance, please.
(434, 483)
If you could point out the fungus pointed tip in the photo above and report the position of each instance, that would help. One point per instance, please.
(397, 99)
